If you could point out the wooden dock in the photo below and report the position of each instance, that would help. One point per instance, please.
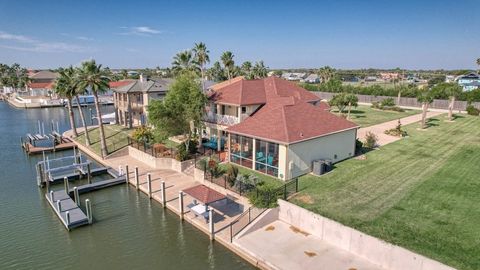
(78, 175)
(75, 218)
(99, 185)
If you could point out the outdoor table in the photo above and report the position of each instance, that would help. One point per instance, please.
(200, 210)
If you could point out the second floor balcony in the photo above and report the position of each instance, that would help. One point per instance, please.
(221, 119)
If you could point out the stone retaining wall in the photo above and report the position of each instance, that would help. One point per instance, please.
(373, 249)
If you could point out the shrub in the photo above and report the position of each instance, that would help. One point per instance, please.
(388, 102)
(370, 140)
(143, 134)
(182, 154)
(397, 131)
(472, 110)
(358, 146)
(376, 105)
(264, 196)
(246, 182)
(231, 175)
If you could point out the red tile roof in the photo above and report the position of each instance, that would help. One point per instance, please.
(204, 194)
(46, 85)
(120, 83)
(243, 92)
(288, 120)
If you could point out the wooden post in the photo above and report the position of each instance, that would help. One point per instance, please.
(137, 184)
(89, 174)
(65, 183)
(51, 196)
(180, 203)
(76, 196)
(210, 225)
(120, 170)
(164, 197)
(149, 185)
(127, 174)
(39, 175)
(89, 210)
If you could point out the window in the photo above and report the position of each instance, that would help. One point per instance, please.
(241, 151)
(266, 157)
(244, 109)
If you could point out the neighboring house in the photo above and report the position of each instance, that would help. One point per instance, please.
(469, 81)
(312, 78)
(296, 76)
(388, 76)
(131, 98)
(371, 79)
(449, 78)
(41, 83)
(276, 127)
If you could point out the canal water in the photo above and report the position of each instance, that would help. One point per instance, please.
(129, 232)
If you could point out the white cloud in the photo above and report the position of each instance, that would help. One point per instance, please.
(140, 31)
(24, 43)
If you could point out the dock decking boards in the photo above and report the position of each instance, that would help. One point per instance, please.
(77, 217)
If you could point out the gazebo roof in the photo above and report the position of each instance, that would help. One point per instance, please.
(204, 194)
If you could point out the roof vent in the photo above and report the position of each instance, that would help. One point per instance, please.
(301, 134)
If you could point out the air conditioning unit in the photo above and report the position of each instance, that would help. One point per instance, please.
(318, 167)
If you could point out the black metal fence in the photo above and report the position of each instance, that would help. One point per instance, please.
(243, 220)
(155, 150)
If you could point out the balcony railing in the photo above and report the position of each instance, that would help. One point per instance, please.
(226, 120)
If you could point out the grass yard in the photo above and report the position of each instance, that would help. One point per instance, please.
(116, 137)
(422, 192)
(366, 116)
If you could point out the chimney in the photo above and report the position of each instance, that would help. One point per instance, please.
(142, 79)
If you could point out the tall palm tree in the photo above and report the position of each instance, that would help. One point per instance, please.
(259, 70)
(326, 73)
(62, 88)
(425, 97)
(183, 61)
(92, 77)
(201, 57)
(228, 63)
(124, 74)
(247, 69)
(70, 75)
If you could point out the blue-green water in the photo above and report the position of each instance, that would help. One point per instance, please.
(130, 231)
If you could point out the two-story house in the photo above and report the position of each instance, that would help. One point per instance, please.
(469, 81)
(131, 98)
(276, 127)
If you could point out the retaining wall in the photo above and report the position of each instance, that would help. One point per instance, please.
(373, 249)
(162, 163)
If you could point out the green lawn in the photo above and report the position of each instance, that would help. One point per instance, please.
(116, 137)
(266, 179)
(366, 116)
(422, 192)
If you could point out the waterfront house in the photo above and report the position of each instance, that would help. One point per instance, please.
(41, 83)
(469, 81)
(295, 76)
(275, 127)
(312, 78)
(131, 98)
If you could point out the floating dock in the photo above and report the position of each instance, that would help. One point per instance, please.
(67, 210)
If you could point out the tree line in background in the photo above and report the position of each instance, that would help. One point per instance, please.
(13, 76)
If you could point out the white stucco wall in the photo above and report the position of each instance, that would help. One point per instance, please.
(337, 147)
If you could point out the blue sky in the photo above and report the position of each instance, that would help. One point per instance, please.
(285, 34)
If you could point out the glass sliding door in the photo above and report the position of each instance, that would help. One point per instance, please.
(241, 151)
(266, 157)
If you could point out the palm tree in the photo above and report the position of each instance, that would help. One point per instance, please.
(63, 89)
(124, 74)
(228, 63)
(70, 76)
(92, 77)
(201, 57)
(216, 72)
(326, 73)
(425, 97)
(259, 70)
(478, 61)
(351, 100)
(183, 61)
(452, 91)
(247, 69)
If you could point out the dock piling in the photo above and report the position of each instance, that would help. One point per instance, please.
(89, 174)
(67, 218)
(211, 225)
(127, 174)
(65, 183)
(59, 206)
(76, 196)
(51, 196)
(120, 170)
(164, 198)
(149, 184)
(136, 178)
(89, 210)
(180, 203)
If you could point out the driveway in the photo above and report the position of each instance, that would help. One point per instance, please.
(379, 129)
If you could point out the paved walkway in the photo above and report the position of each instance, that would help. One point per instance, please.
(379, 129)
(285, 247)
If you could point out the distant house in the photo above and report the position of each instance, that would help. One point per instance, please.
(371, 79)
(449, 78)
(388, 76)
(41, 83)
(294, 76)
(312, 78)
(275, 127)
(469, 81)
(131, 98)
